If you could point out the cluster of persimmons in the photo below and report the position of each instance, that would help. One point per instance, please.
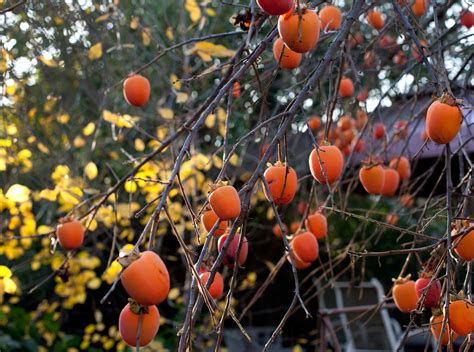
(145, 276)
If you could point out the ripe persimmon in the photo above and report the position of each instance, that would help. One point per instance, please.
(305, 247)
(436, 323)
(236, 90)
(332, 161)
(317, 224)
(217, 286)
(432, 289)
(231, 252)
(402, 165)
(363, 95)
(225, 202)
(361, 118)
(467, 19)
(128, 324)
(370, 59)
(461, 317)
(300, 33)
(417, 53)
(404, 294)
(355, 39)
(302, 206)
(419, 7)
(406, 200)
(275, 7)
(401, 129)
(388, 42)
(209, 219)
(277, 230)
(443, 120)
(136, 90)
(464, 246)
(70, 234)
(299, 264)
(282, 182)
(359, 147)
(294, 226)
(391, 219)
(379, 130)
(400, 58)
(314, 122)
(346, 88)
(287, 58)
(331, 18)
(146, 279)
(345, 122)
(375, 19)
(372, 178)
(391, 182)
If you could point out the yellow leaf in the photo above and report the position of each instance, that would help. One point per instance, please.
(89, 129)
(166, 113)
(193, 10)
(207, 50)
(211, 12)
(18, 193)
(94, 284)
(181, 97)
(130, 186)
(175, 81)
(49, 194)
(169, 33)
(48, 62)
(91, 170)
(125, 121)
(234, 159)
(11, 129)
(161, 132)
(134, 23)
(139, 144)
(69, 198)
(210, 121)
(58, 20)
(63, 119)
(173, 293)
(102, 18)
(9, 285)
(79, 142)
(146, 38)
(5, 272)
(42, 148)
(95, 51)
(24, 154)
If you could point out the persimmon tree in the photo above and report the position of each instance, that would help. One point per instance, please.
(162, 163)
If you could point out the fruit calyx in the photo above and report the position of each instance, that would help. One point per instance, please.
(426, 275)
(401, 280)
(370, 163)
(137, 308)
(460, 296)
(129, 258)
(278, 163)
(448, 99)
(217, 185)
(436, 312)
(66, 219)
